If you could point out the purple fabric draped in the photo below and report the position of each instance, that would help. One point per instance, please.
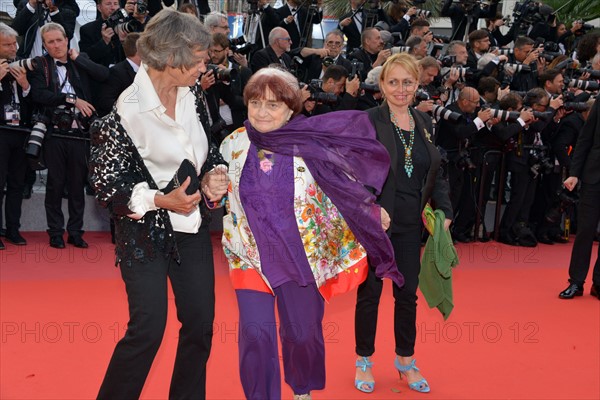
(343, 155)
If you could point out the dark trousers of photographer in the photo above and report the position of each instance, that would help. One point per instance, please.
(13, 166)
(489, 167)
(588, 217)
(545, 204)
(66, 160)
(462, 197)
(522, 193)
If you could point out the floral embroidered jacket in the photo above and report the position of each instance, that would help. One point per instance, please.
(338, 262)
(115, 167)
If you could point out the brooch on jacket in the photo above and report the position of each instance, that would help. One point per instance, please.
(428, 135)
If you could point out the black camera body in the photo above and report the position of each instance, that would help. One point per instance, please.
(315, 87)
(222, 75)
(357, 68)
(464, 160)
(539, 161)
(120, 21)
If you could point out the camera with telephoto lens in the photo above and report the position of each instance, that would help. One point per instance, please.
(142, 6)
(121, 22)
(62, 118)
(357, 68)
(253, 5)
(422, 13)
(28, 64)
(566, 199)
(505, 52)
(443, 38)
(516, 68)
(584, 27)
(222, 75)
(503, 115)
(464, 161)
(539, 161)
(35, 141)
(240, 46)
(464, 72)
(583, 85)
(327, 61)
(315, 87)
(368, 87)
(440, 112)
(448, 61)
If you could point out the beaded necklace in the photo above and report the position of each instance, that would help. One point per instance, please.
(408, 148)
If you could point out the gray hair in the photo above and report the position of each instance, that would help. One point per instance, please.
(6, 30)
(171, 38)
(52, 26)
(274, 34)
(451, 50)
(413, 42)
(336, 32)
(373, 76)
(213, 19)
(485, 60)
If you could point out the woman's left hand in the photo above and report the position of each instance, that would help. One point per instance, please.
(214, 184)
(447, 223)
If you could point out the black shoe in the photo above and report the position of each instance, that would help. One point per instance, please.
(544, 239)
(77, 241)
(595, 291)
(462, 238)
(2, 246)
(484, 238)
(559, 239)
(57, 242)
(508, 239)
(2, 232)
(15, 237)
(27, 190)
(572, 291)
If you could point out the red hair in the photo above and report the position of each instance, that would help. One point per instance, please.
(282, 84)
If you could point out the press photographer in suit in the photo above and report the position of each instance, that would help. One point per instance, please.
(585, 167)
(294, 17)
(100, 40)
(14, 131)
(60, 87)
(121, 75)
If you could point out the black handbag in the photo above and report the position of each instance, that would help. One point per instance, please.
(185, 170)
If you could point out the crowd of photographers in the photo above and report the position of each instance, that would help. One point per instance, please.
(506, 103)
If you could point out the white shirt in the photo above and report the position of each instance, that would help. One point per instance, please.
(162, 142)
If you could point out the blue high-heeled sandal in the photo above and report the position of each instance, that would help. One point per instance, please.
(364, 386)
(419, 386)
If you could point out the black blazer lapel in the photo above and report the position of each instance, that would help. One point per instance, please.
(385, 134)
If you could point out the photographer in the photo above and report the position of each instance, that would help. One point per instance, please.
(316, 65)
(371, 96)
(295, 18)
(465, 15)
(14, 131)
(453, 78)
(371, 54)
(497, 39)
(354, 23)
(456, 139)
(230, 84)
(60, 87)
(32, 14)
(525, 54)
(335, 81)
(258, 33)
(429, 70)
(418, 47)
(100, 40)
(121, 76)
(275, 52)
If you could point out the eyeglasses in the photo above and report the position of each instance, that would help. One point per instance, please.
(287, 39)
(333, 44)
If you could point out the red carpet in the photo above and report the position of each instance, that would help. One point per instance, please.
(509, 336)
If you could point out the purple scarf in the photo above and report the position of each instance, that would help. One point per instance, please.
(343, 155)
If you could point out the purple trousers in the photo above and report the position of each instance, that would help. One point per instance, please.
(300, 317)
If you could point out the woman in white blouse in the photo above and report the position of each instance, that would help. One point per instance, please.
(155, 125)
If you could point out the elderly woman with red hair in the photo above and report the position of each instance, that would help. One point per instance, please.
(292, 179)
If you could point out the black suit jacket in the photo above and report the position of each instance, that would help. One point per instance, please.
(45, 90)
(435, 186)
(120, 77)
(351, 30)
(91, 42)
(566, 136)
(266, 56)
(586, 158)
(314, 66)
(459, 20)
(7, 98)
(269, 19)
(450, 136)
(292, 28)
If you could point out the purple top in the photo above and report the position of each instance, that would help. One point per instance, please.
(268, 201)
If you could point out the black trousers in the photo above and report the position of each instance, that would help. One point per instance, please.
(588, 216)
(462, 197)
(66, 160)
(522, 193)
(407, 249)
(13, 166)
(193, 283)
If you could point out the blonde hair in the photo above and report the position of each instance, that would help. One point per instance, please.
(404, 60)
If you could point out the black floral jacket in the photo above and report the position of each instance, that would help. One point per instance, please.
(115, 168)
